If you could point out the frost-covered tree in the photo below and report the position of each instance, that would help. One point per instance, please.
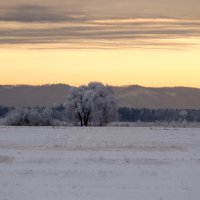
(79, 105)
(29, 117)
(94, 104)
(183, 114)
(104, 104)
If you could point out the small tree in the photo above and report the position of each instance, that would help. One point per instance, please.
(93, 104)
(183, 114)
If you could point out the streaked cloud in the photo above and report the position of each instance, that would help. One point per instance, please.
(79, 25)
(37, 13)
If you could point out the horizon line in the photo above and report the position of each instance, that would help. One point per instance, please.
(66, 84)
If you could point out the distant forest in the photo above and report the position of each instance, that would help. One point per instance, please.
(126, 114)
(158, 115)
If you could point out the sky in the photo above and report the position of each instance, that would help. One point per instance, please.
(154, 43)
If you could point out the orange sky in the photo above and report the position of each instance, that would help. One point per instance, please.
(117, 42)
(115, 67)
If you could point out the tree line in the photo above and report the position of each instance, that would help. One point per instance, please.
(91, 105)
(158, 115)
(59, 115)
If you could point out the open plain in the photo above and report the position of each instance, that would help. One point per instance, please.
(108, 163)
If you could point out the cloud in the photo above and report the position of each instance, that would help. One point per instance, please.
(37, 13)
(28, 24)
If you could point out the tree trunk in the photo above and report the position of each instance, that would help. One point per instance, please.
(80, 118)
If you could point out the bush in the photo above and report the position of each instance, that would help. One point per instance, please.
(29, 117)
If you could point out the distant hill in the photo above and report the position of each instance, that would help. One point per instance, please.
(168, 97)
(23, 95)
(130, 96)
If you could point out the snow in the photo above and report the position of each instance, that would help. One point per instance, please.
(105, 163)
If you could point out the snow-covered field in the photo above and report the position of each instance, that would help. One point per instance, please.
(111, 163)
